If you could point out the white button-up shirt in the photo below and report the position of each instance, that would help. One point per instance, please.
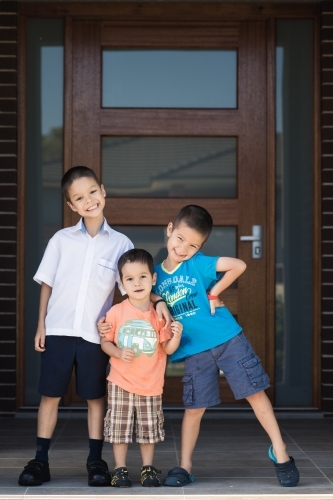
(82, 272)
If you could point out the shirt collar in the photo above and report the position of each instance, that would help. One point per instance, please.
(81, 227)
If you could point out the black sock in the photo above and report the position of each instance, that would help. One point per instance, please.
(95, 446)
(42, 449)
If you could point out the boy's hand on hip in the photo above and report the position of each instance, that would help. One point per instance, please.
(127, 355)
(177, 329)
(40, 339)
(103, 327)
(214, 304)
(164, 313)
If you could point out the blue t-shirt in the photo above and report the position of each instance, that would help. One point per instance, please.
(185, 291)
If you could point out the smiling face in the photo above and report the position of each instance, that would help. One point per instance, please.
(183, 243)
(87, 198)
(137, 281)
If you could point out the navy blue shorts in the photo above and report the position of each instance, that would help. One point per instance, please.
(240, 365)
(62, 354)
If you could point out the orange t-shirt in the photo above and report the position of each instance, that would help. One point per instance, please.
(142, 332)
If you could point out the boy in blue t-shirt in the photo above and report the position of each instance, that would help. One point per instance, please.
(212, 340)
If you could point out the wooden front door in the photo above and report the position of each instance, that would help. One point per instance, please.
(252, 300)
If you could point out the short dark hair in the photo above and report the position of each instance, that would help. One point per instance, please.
(196, 218)
(73, 174)
(136, 255)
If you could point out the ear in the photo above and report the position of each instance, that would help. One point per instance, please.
(71, 206)
(169, 229)
(103, 190)
(154, 278)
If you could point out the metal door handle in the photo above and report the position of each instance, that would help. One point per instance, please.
(256, 239)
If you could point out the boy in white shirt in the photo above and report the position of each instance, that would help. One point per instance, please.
(77, 274)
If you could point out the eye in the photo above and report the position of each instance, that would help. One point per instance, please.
(128, 279)
(78, 199)
(94, 191)
(181, 239)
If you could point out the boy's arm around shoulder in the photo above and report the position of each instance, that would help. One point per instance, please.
(232, 269)
(171, 345)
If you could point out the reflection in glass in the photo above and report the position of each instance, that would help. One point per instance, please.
(44, 166)
(169, 78)
(222, 242)
(294, 153)
(169, 166)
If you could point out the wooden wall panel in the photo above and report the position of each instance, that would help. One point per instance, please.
(327, 206)
(8, 204)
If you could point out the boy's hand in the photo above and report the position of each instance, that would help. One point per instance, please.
(164, 313)
(177, 329)
(214, 304)
(40, 339)
(127, 354)
(103, 327)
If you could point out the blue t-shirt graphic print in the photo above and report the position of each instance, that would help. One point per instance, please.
(185, 291)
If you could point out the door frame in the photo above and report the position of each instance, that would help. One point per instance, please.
(174, 15)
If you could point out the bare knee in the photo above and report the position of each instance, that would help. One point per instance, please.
(50, 402)
(195, 414)
(96, 402)
(256, 398)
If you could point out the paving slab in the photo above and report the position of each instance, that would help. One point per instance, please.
(230, 461)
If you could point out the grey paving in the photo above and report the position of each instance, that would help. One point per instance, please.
(230, 461)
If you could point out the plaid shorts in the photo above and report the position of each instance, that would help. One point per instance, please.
(124, 408)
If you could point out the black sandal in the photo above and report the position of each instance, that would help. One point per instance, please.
(287, 472)
(178, 477)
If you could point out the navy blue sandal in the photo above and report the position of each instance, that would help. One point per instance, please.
(178, 477)
(287, 472)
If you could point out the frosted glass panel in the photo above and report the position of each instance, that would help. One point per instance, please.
(169, 166)
(294, 212)
(169, 78)
(44, 169)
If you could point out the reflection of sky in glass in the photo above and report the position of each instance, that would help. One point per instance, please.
(169, 166)
(279, 76)
(170, 78)
(51, 87)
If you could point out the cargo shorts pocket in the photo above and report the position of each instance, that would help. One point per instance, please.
(253, 367)
(188, 389)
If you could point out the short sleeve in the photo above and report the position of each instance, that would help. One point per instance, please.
(47, 270)
(163, 334)
(206, 266)
(111, 317)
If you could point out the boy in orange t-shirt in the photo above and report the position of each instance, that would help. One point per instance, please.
(138, 346)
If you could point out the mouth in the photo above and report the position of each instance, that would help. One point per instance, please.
(179, 255)
(93, 207)
(139, 291)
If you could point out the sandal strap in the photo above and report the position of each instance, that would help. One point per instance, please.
(179, 471)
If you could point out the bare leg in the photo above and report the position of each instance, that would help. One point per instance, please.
(263, 410)
(147, 453)
(47, 416)
(120, 454)
(190, 433)
(96, 414)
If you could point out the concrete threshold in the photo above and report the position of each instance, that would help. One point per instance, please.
(179, 495)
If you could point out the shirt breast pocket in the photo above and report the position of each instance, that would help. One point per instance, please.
(106, 274)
